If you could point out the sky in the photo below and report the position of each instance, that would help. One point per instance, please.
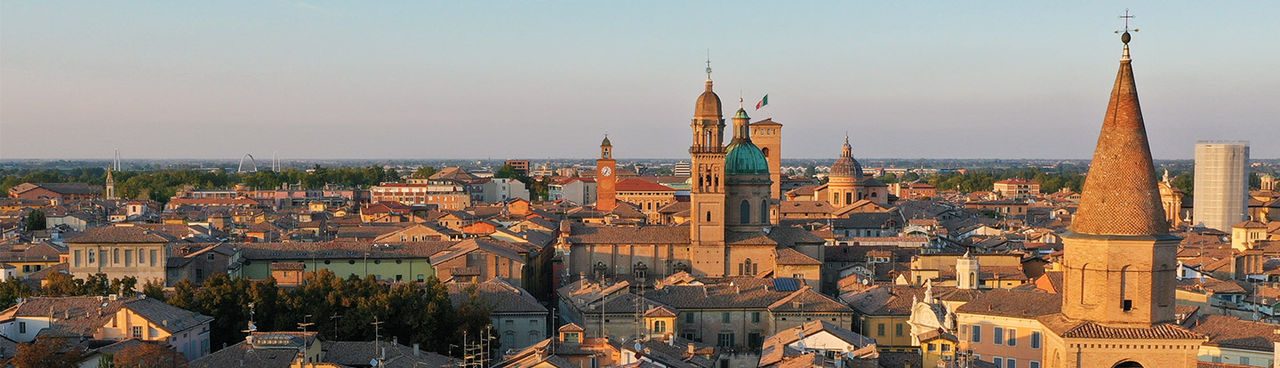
(548, 79)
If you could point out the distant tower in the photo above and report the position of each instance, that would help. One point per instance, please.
(968, 274)
(767, 134)
(707, 192)
(747, 175)
(606, 178)
(111, 185)
(1221, 184)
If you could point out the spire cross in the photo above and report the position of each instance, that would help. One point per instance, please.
(1126, 18)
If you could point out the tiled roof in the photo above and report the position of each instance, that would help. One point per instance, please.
(806, 300)
(498, 294)
(360, 353)
(119, 235)
(340, 250)
(71, 188)
(1120, 196)
(599, 234)
(243, 355)
(170, 318)
(788, 256)
(1013, 303)
(733, 292)
(1089, 330)
(801, 206)
(1232, 332)
(884, 300)
(641, 185)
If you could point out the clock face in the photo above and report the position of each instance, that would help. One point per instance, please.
(606, 171)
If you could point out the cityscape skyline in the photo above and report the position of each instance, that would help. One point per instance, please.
(414, 85)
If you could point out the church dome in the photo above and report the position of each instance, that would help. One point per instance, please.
(744, 158)
(846, 166)
(708, 105)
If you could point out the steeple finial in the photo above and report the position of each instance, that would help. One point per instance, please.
(708, 65)
(1125, 37)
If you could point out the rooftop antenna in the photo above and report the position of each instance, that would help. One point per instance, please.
(304, 324)
(376, 325)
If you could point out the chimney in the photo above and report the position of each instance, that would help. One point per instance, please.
(416, 350)
(689, 350)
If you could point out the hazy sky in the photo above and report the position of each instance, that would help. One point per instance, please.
(540, 79)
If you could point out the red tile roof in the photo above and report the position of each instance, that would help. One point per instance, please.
(641, 185)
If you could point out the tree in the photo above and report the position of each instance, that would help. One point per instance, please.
(1185, 182)
(61, 284)
(154, 290)
(473, 318)
(11, 290)
(34, 221)
(507, 172)
(124, 286)
(148, 355)
(46, 353)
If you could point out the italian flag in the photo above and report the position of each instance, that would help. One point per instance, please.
(763, 101)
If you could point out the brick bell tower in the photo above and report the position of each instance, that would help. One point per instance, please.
(707, 190)
(1119, 255)
(606, 178)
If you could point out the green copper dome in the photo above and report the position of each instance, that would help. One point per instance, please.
(745, 158)
(741, 114)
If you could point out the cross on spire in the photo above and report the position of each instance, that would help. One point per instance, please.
(1124, 34)
(1126, 18)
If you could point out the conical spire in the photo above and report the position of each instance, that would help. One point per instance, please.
(1120, 195)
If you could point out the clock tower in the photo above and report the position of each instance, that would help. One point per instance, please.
(606, 178)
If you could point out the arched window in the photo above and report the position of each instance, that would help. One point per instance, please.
(973, 280)
(766, 153)
(746, 268)
(848, 198)
(764, 211)
(744, 212)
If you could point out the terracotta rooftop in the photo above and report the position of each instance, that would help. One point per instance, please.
(1013, 303)
(641, 185)
(1090, 330)
(120, 234)
(1120, 196)
(1232, 332)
